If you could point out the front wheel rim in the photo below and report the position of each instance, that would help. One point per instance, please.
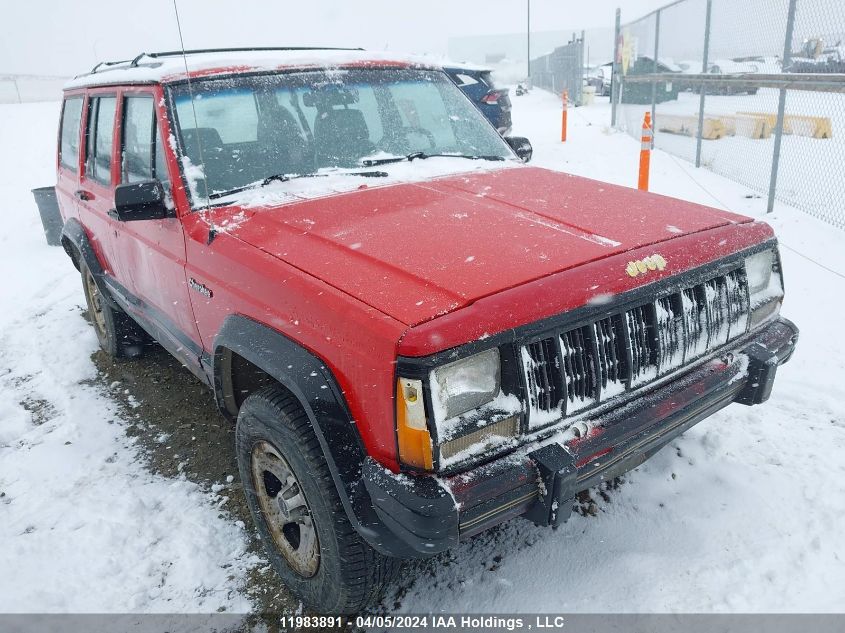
(285, 509)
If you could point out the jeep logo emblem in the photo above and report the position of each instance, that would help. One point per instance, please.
(642, 266)
(204, 290)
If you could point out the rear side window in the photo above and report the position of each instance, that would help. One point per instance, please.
(100, 138)
(69, 148)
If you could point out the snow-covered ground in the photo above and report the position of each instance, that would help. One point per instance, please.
(742, 513)
(84, 527)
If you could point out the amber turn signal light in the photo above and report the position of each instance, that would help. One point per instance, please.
(411, 427)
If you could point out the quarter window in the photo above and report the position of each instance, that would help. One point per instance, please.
(159, 163)
(69, 148)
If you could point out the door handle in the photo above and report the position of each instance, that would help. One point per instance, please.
(83, 195)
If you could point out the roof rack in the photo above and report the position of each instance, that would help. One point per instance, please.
(122, 61)
(134, 62)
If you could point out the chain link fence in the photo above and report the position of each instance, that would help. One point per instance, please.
(562, 69)
(754, 91)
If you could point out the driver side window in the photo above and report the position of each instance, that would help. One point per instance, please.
(142, 154)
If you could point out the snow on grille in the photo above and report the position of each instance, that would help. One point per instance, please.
(575, 370)
(579, 368)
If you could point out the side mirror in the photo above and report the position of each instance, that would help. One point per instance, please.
(140, 201)
(522, 147)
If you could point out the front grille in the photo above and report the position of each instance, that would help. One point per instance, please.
(541, 359)
(578, 368)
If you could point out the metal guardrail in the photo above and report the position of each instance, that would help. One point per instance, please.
(782, 81)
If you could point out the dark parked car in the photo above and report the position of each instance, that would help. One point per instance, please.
(477, 84)
(600, 79)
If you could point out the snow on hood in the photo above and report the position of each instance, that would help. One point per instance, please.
(418, 250)
(329, 181)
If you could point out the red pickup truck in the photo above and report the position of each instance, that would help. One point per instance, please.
(418, 335)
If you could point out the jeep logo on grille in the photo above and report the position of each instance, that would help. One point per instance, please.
(642, 266)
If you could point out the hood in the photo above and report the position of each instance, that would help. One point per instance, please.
(418, 250)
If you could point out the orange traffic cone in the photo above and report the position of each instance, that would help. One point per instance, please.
(563, 116)
(645, 152)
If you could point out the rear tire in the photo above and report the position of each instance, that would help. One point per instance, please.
(117, 333)
(297, 511)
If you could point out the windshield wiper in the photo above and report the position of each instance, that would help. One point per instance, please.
(373, 162)
(287, 177)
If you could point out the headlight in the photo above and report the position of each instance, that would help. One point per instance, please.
(465, 385)
(758, 269)
(765, 286)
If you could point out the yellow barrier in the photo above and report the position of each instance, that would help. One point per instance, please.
(748, 125)
(712, 128)
(799, 124)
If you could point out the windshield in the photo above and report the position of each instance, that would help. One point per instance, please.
(246, 130)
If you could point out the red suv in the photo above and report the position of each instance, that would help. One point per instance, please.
(418, 335)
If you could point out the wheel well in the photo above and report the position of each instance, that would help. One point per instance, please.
(239, 378)
(70, 249)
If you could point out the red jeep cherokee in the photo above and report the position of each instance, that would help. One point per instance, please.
(418, 335)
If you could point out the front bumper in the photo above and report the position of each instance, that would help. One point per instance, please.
(429, 514)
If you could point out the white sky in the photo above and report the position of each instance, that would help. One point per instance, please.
(66, 37)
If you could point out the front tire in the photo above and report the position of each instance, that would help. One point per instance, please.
(297, 510)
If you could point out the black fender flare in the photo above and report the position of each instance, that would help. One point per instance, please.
(314, 385)
(77, 245)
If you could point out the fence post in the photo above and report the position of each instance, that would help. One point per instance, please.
(614, 75)
(17, 89)
(580, 84)
(528, 40)
(787, 57)
(656, 49)
(704, 62)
